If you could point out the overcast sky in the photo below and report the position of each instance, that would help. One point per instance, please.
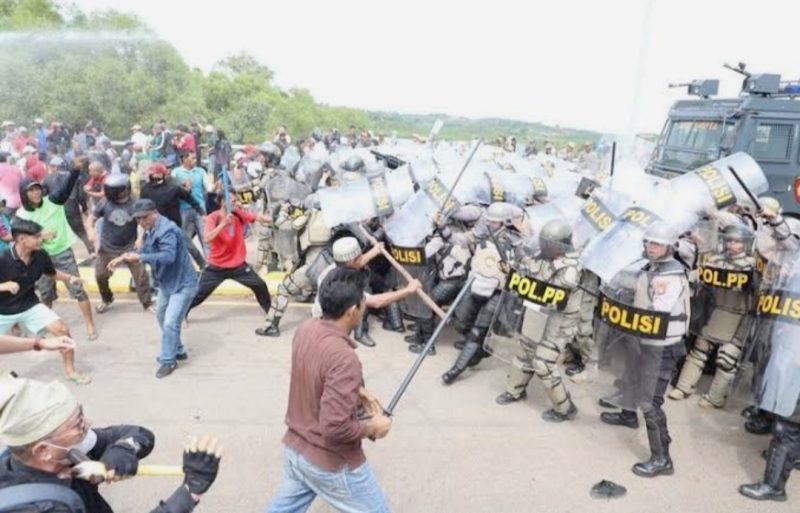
(603, 65)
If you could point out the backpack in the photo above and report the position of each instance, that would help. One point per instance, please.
(40, 498)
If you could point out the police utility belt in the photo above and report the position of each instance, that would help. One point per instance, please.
(538, 292)
(642, 323)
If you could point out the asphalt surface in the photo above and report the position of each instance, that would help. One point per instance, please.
(451, 449)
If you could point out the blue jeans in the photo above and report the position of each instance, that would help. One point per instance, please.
(171, 311)
(349, 491)
(193, 224)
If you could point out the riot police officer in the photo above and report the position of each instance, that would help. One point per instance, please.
(660, 287)
(501, 232)
(555, 266)
(727, 277)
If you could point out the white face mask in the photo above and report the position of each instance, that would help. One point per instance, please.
(84, 446)
(88, 442)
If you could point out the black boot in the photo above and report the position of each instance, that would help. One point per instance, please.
(270, 330)
(660, 462)
(759, 423)
(425, 331)
(779, 466)
(415, 337)
(393, 318)
(471, 347)
(625, 418)
(361, 334)
(508, 398)
(552, 415)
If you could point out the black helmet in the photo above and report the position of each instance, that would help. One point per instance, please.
(272, 152)
(354, 164)
(737, 232)
(115, 185)
(316, 134)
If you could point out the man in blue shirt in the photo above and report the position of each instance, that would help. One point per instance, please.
(164, 249)
(193, 179)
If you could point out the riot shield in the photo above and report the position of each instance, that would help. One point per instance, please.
(413, 222)
(242, 186)
(420, 265)
(597, 214)
(365, 197)
(678, 203)
(527, 312)
(634, 336)
(290, 158)
(282, 187)
(776, 382)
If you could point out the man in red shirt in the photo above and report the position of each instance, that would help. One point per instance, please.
(226, 258)
(329, 411)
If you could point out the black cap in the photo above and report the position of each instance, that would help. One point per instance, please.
(142, 207)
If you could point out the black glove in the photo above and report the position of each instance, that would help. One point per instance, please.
(200, 469)
(122, 460)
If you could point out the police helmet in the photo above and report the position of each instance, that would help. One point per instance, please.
(354, 163)
(502, 212)
(272, 153)
(661, 233)
(115, 186)
(555, 238)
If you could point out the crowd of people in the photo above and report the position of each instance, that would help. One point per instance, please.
(511, 250)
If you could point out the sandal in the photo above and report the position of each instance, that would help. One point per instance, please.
(80, 379)
(92, 336)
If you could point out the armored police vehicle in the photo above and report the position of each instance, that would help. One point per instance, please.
(763, 121)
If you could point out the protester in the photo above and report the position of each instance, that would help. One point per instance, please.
(323, 455)
(119, 236)
(45, 429)
(164, 249)
(226, 260)
(20, 268)
(48, 210)
(193, 179)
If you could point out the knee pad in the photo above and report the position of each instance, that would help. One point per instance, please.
(728, 357)
(700, 351)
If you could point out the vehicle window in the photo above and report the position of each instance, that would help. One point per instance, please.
(689, 144)
(773, 141)
(697, 135)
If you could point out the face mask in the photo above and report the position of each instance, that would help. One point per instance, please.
(84, 446)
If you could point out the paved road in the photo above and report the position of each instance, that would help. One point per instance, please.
(451, 448)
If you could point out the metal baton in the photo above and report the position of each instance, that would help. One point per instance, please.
(389, 410)
(746, 189)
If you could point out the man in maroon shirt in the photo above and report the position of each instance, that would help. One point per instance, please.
(323, 454)
(226, 258)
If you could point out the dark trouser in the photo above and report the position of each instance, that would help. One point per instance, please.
(212, 276)
(783, 453)
(653, 373)
(103, 275)
(75, 219)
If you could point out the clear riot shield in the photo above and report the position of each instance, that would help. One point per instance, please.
(776, 379)
(566, 208)
(528, 309)
(678, 203)
(597, 214)
(633, 334)
(410, 225)
(366, 197)
(282, 187)
(290, 158)
(243, 187)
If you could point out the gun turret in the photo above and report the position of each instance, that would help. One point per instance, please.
(701, 88)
